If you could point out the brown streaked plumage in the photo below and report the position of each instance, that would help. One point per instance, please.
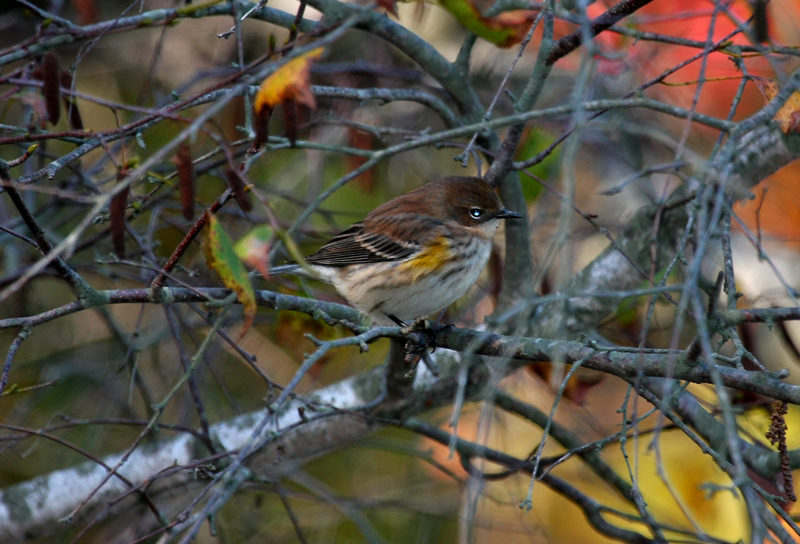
(415, 254)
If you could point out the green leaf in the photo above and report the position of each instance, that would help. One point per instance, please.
(628, 310)
(533, 142)
(221, 257)
(504, 30)
(253, 248)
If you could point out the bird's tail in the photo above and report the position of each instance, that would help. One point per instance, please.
(285, 269)
(297, 270)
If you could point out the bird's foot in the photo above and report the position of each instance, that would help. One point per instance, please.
(423, 335)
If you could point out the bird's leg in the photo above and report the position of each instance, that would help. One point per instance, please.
(397, 321)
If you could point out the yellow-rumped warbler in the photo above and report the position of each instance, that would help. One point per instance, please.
(415, 254)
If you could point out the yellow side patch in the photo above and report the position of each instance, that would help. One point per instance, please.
(429, 260)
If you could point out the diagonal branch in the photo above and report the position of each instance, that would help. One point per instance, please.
(615, 14)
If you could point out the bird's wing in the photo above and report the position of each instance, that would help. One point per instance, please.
(374, 241)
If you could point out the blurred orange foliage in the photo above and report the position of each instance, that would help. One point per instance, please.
(689, 19)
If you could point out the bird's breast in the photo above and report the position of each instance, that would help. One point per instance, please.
(429, 260)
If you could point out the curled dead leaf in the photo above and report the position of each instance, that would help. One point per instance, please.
(70, 104)
(51, 79)
(290, 120)
(117, 224)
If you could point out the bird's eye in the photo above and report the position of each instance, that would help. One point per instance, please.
(476, 213)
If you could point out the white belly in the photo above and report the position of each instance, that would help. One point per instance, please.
(381, 289)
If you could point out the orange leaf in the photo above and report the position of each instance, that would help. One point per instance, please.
(777, 214)
(516, 23)
(289, 82)
(221, 256)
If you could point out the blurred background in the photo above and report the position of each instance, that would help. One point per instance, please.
(90, 378)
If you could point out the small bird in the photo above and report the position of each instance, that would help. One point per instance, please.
(415, 254)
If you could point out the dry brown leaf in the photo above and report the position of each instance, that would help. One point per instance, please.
(70, 104)
(290, 120)
(117, 213)
(51, 79)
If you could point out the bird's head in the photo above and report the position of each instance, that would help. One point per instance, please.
(458, 200)
(470, 201)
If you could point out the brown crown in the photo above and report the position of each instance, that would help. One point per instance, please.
(450, 198)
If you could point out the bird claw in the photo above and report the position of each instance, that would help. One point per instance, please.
(425, 332)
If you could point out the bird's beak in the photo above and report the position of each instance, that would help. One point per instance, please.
(507, 214)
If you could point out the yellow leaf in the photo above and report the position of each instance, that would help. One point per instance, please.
(221, 257)
(787, 116)
(289, 82)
